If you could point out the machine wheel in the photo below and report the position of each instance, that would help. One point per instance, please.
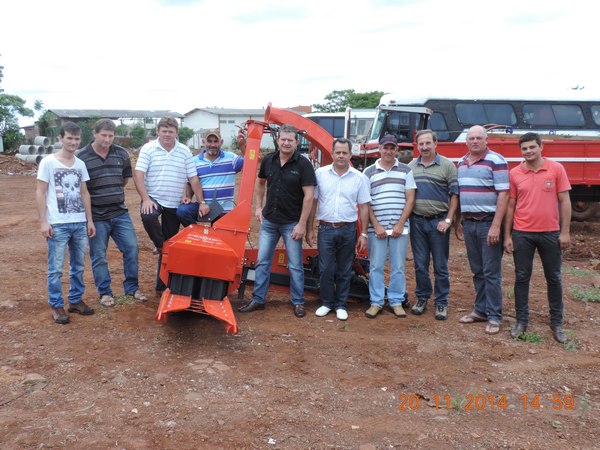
(581, 211)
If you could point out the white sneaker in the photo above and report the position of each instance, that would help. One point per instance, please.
(322, 311)
(341, 314)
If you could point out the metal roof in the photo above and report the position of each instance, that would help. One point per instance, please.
(114, 113)
(230, 111)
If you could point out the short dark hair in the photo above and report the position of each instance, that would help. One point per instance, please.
(104, 124)
(168, 122)
(426, 131)
(531, 136)
(287, 128)
(342, 141)
(69, 127)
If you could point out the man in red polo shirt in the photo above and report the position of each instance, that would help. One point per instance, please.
(539, 217)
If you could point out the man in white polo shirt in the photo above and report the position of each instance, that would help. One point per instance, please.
(342, 197)
(162, 170)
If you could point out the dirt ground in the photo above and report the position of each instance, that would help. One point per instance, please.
(118, 379)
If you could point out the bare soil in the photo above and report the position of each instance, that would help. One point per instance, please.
(118, 379)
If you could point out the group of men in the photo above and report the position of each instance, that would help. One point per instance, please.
(84, 197)
(491, 211)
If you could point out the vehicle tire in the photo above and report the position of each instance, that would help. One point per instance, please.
(581, 211)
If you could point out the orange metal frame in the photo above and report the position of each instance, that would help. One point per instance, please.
(216, 252)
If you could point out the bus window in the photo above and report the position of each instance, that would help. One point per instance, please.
(568, 115)
(596, 114)
(437, 123)
(470, 113)
(501, 114)
(538, 114)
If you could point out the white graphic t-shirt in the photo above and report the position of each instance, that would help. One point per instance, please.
(63, 202)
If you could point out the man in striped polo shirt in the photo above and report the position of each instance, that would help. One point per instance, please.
(109, 168)
(483, 186)
(162, 170)
(435, 206)
(392, 199)
(216, 170)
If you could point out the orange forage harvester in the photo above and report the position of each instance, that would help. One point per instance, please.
(202, 265)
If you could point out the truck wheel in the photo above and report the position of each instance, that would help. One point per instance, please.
(581, 211)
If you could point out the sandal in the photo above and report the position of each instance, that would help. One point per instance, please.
(472, 317)
(492, 327)
(107, 301)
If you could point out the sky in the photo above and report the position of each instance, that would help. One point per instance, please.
(184, 54)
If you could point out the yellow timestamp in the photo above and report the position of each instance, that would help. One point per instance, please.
(480, 402)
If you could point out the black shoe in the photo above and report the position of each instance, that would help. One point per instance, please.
(420, 307)
(81, 308)
(559, 334)
(252, 306)
(405, 302)
(518, 329)
(60, 316)
(299, 311)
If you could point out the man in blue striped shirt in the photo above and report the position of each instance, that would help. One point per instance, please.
(483, 186)
(216, 170)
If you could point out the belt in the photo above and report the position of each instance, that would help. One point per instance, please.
(479, 218)
(435, 216)
(335, 224)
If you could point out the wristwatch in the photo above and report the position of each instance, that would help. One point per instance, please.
(448, 221)
(203, 202)
(365, 235)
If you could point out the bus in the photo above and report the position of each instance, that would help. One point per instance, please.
(452, 117)
(570, 130)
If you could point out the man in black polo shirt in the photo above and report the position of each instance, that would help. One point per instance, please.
(289, 181)
(109, 168)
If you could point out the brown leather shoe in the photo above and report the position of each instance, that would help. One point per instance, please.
(80, 308)
(252, 306)
(60, 316)
(299, 311)
(559, 334)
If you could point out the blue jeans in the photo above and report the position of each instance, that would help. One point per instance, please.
(486, 264)
(268, 237)
(188, 213)
(427, 243)
(123, 234)
(159, 232)
(378, 251)
(336, 255)
(73, 235)
(550, 253)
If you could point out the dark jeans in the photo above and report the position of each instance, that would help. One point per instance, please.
(427, 243)
(548, 247)
(486, 264)
(336, 255)
(161, 231)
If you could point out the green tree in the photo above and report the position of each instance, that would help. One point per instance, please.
(185, 134)
(337, 101)
(138, 134)
(11, 107)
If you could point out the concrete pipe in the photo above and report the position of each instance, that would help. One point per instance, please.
(40, 150)
(31, 158)
(57, 145)
(27, 150)
(41, 140)
(49, 150)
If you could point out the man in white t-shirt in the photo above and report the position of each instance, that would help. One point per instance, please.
(65, 214)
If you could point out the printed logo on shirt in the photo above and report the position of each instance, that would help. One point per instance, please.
(68, 191)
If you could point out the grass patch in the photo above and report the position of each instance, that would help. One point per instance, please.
(124, 299)
(584, 404)
(531, 337)
(510, 293)
(577, 272)
(586, 294)
(416, 325)
(572, 343)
